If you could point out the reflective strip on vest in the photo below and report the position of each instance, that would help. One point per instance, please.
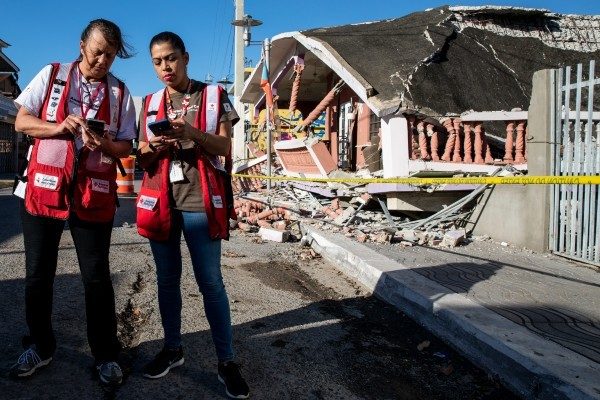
(212, 108)
(153, 109)
(114, 94)
(58, 88)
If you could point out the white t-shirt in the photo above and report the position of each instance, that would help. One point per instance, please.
(32, 98)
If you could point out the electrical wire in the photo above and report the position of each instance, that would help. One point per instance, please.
(214, 34)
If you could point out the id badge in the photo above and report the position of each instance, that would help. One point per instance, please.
(217, 201)
(176, 172)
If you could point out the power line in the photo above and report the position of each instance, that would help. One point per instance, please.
(228, 52)
(214, 34)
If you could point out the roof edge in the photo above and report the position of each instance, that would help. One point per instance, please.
(333, 60)
(9, 62)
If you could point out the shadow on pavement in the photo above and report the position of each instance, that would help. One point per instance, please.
(329, 349)
(11, 222)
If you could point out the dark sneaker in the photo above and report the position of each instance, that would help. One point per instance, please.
(235, 386)
(110, 373)
(163, 362)
(28, 363)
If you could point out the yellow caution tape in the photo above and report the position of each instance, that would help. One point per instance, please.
(474, 180)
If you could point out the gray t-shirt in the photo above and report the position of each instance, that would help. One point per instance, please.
(187, 194)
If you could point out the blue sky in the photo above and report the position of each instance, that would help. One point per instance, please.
(36, 38)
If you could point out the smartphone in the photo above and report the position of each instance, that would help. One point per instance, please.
(96, 126)
(160, 127)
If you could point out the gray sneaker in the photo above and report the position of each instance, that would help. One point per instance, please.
(27, 364)
(110, 373)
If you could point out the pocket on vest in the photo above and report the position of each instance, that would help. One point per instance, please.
(53, 152)
(95, 162)
(49, 190)
(98, 193)
(153, 217)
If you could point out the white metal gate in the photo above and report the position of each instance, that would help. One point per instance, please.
(575, 211)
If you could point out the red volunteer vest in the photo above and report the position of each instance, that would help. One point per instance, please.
(59, 179)
(153, 203)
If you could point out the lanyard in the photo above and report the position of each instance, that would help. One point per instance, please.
(171, 113)
(93, 96)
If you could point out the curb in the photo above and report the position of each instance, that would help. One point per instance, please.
(525, 362)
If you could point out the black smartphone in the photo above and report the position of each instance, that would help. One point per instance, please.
(96, 126)
(160, 127)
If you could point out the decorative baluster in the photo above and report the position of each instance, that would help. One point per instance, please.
(412, 143)
(432, 132)
(525, 145)
(508, 145)
(447, 122)
(520, 146)
(422, 140)
(488, 152)
(478, 143)
(456, 157)
(468, 146)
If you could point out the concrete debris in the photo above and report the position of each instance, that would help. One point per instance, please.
(381, 237)
(274, 235)
(244, 227)
(347, 213)
(280, 225)
(408, 235)
(423, 345)
(453, 238)
(358, 215)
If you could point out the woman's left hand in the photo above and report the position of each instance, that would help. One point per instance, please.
(90, 139)
(180, 129)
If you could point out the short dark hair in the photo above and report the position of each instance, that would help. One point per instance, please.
(111, 33)
(168, 37)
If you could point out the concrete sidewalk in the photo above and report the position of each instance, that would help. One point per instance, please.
(7, 180)
(531, 319)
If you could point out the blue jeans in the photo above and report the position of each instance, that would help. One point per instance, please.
(206, 261)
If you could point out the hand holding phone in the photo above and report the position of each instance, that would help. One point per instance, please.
(160, 127)
(96, 126)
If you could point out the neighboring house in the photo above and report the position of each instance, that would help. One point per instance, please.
(415, 86)
(9, 90)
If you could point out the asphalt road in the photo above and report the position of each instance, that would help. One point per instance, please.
(302, 329)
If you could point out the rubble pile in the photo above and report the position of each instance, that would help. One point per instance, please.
(349, 208)
(357, 215)
(260, 213)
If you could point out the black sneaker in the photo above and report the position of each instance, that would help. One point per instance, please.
(163, 362)
(29, 362)
(235, 385)
(110, 373)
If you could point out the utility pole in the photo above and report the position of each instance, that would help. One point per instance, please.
(267, 53)
(239, 134)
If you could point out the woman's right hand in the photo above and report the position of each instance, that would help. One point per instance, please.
(73, 124)
(162, 142)
(150, 151)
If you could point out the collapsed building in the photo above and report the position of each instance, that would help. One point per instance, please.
(437, 93)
